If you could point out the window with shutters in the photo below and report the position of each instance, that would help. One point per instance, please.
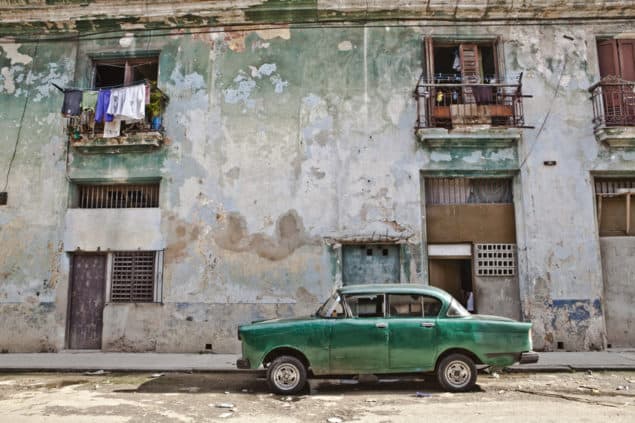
(135, 276)
(463, 85)
(614, 95)
(615, 205)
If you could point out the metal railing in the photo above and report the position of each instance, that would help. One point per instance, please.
(613, 102)
(444, 102)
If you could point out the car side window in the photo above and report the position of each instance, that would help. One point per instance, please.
(406, 305)
(365, 305)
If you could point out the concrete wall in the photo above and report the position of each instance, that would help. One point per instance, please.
(282, 141)
(619, 289)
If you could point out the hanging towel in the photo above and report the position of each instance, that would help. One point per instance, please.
(128, 103)
(72, 102)
(112, 129)
(89, 100)
(101, 110)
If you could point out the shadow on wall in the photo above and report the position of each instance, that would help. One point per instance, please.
(289, 235)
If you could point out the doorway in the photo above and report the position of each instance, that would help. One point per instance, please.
(88, 281)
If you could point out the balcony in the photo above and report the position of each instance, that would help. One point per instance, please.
(90, 137)
(468, 114)
(614, 111)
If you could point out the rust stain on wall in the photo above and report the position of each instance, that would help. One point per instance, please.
(290, 235)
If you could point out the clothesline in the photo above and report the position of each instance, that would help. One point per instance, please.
(110, 87)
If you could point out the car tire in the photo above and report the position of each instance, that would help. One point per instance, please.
(456, 373)
(286, 375)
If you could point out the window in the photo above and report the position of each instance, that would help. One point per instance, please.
(468, 191)
(405, 305)
(135, 276)
(332, 308)
(615, 205)
(131, 83)
(117, 196)
(365, 305)
(614, 96)
(463, 85)
(125, 71)
(457, 310)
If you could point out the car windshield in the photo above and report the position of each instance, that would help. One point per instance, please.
(457, 310)
(327, 309)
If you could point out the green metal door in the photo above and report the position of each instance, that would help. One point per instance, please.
(359, 344)
(370, 263)
(413, 334)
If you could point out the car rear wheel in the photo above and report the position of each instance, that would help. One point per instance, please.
(456, 373)
(286, 375)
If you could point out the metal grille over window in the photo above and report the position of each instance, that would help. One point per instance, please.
(119, 196)
(468, 191)
(495, 259)
(613, 185)
(133, 275)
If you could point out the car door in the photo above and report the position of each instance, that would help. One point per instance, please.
(412, 321)
(359, 343)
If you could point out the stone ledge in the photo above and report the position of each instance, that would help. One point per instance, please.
(616, 136)
(476, 137)
(134, 143)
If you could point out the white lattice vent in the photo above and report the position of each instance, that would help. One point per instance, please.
(495, 259)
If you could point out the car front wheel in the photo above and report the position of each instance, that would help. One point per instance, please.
(286, 375)
(456, 373)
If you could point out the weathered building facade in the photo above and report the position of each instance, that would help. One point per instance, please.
(292, 146)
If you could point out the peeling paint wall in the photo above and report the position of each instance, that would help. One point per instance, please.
(281, 142)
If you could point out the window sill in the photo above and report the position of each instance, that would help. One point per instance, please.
(133, 143)
(616, 136)
(471, 137)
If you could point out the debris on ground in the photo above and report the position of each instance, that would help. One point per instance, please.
(495, 375)
(96, 373)
(334, 420)
(422, 395)
(225, 405)
(157, 375)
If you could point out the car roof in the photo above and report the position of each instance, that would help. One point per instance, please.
(395, 288)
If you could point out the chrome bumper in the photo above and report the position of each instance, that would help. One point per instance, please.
(528, 357)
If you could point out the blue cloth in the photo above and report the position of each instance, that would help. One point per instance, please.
(103, 99)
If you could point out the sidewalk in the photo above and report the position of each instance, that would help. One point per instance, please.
(615, 359)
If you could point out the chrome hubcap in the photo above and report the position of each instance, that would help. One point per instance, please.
(458, 374)
(286, 376)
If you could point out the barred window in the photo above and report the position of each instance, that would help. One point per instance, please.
(134, 274)
(118, 196)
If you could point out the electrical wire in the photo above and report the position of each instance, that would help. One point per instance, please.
(17, 139)
(427, 22)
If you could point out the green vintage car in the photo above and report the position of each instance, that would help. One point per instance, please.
(384, 329)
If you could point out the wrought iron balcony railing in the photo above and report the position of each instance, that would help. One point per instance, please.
(450, 103)
(613, 102)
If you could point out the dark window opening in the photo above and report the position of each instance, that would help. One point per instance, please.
(464, 62)
(133, 276)
(3, 198)
(615, 205)
(125, 72)
(118, 196)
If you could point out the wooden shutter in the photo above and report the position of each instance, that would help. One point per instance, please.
(470, 70)
(607, 56)
(429, 58)
(626, 54)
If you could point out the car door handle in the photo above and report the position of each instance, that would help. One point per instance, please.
(427, 325)
(381, 325)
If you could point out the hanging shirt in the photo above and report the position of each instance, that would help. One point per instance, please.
(128, 103)
(72, 103)
(101, 109)
(89, 100)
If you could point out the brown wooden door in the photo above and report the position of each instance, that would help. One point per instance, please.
(87, 301)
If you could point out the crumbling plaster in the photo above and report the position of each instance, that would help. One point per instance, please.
(278, 140)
